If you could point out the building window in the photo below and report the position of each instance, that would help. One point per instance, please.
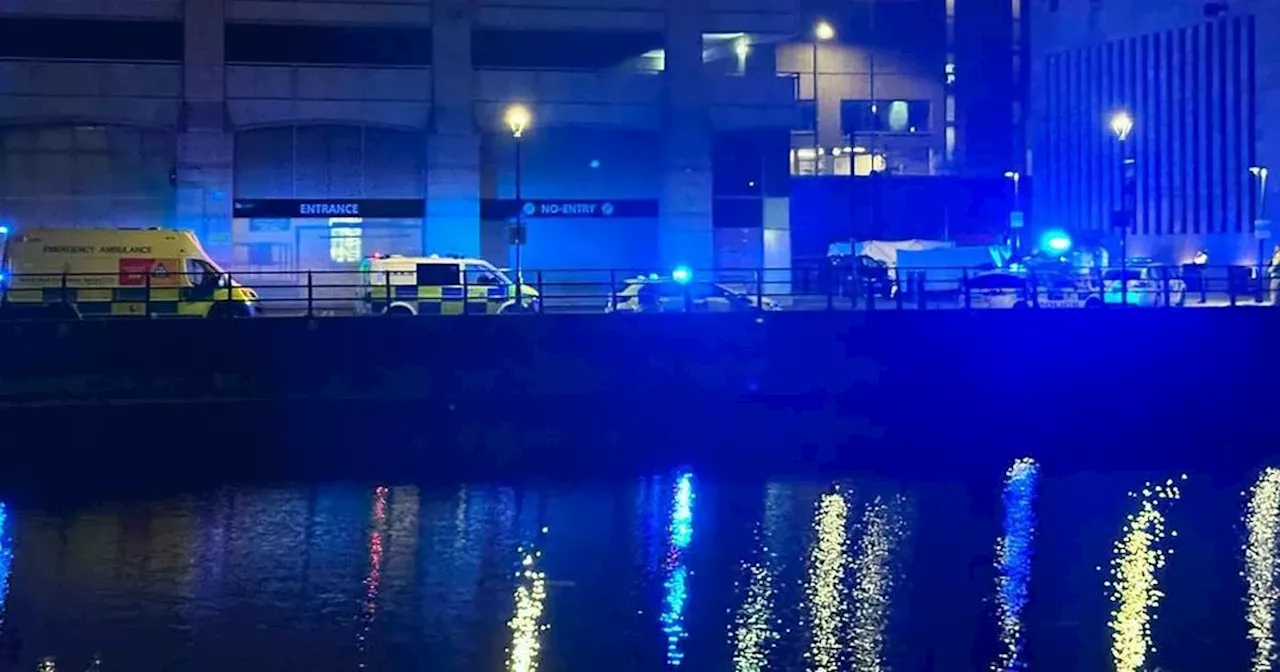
(802, 161)
(884, 116)
(806, 116)
(950, 140)
(951, 109)
(345, 238)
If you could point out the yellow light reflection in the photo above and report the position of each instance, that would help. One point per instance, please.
(526, 624)
(754, 632)
(1137, 558)
(883, 530)
(828, 561)
(1262, 516)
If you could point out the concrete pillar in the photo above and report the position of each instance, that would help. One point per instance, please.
(453, 143)
(204, 138)
(684, 235)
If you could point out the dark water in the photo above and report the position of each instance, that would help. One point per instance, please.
(1028, 570)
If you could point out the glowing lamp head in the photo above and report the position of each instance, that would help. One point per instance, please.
(1121, 125)
(517, 119)
(1057, 242)
(4, 230)
(1259, 172)
(682, 275)
(1201, 258)
(822, 31)
(741, 47)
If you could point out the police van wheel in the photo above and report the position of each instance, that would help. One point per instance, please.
(399, 311)
(61, 312)
(515, 309)
(234, 311)
(1020, 305)
(1093, 302)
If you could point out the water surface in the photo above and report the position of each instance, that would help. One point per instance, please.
(1027, 570)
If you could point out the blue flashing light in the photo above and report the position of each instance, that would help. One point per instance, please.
(682, 275)
(1056, 241)
(4, 230)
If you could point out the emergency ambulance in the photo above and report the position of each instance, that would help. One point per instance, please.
(439, 285)
(70, 273)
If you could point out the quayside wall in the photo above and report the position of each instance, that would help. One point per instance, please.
(575, 395)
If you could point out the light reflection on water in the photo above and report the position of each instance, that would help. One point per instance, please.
(677, 581)
(1262, 566)
(826, 587)
(797, 574)
(1013, 561)
(875, 567)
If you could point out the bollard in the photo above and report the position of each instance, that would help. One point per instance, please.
(311, 312)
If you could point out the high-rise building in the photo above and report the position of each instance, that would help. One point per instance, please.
(1150, 118)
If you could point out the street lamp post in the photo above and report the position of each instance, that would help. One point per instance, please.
(1122, 126)
(822, 32)
(517, 118)
(1261, 225)
(1015, 217)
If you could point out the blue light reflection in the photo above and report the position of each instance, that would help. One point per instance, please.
(1013, 560)
(676, 584)
(6, 561)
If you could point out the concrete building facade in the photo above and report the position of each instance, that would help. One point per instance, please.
(1199, 81)
(911, 87)
(296, 134)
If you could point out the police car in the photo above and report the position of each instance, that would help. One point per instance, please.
(1146, 285)
(439, 285)
(1003, 288)
(676, 294)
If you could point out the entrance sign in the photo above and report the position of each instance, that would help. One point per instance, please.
(321, 208)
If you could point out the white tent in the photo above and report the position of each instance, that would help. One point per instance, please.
(887, 250)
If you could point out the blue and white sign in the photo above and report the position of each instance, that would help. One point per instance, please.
(568, 209)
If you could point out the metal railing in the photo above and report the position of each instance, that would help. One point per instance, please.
(322, 293)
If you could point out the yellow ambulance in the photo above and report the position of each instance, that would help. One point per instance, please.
(72, 273)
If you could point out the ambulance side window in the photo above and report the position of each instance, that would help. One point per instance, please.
(200, 273)
(432, 275)
(479, 275)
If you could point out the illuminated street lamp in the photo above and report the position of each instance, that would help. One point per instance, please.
(517, 119)
(822, 32)
(1122, 125)
(1015, 216)
(1261, 225)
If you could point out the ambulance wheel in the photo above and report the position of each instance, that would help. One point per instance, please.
(61, 311)
(399, 311)
(514, 308)
(229, 311)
